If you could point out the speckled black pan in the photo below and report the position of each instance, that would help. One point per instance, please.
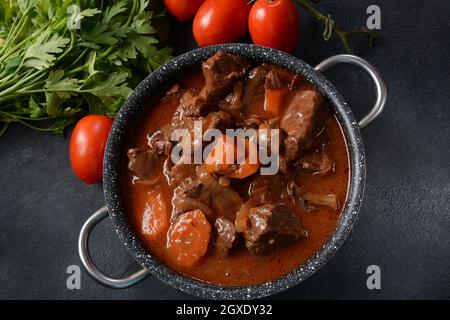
(161, 80)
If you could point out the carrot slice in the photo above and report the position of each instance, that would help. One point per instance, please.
(274, 100)
(156, 217)
(216, 162)
(246, 168)
(188, 238)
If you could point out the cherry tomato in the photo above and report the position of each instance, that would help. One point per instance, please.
(275, 24)
(87, 147)
(183, 9)
(220, 21)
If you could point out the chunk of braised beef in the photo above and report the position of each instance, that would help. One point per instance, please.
(217, 120)
(303, 119)
(291, 147)
(193, 108)
(268, 135)
(233, 101)
(220, 120)
(226, 237)
(175, 90)
(224, 200)
(142, 162)
(160, 142)
(180, 120)
(316, 162)
(260, 78)
(252, 121)
(193, 104)
(180, 172)
(189, 195)
(190, 187)
(266, 189)
(272, 80)
(271, 227)
(284, 165)
(291, 80)
(295, 193)
(226, 203)
(221, 71)
(254, 87)
(173, 95)
(203, 192)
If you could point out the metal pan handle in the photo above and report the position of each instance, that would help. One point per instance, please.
(380, 86)
(92, 270)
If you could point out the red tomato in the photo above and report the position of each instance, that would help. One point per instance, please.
(275, 24)
(220, 21)
(87, 147)
(183, 9)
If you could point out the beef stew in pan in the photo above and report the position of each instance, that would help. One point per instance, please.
(227, 223)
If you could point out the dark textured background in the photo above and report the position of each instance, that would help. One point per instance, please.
(404, 223)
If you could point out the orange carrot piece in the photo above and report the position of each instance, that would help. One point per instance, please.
(156, 217)
(246, 168)
(217, 158)
(188, 238)
(274, 100)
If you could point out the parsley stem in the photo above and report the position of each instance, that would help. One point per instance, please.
(133, 10)
(25, 123)
(11, 33)
(14, 115)
(14, 118)
(69, 49)
(17, 29)
(5, 80)
(37, 74)
(107, 52)
(12, 79)
(78, 59)
(4, 128)
(20, 45)
(76, 70)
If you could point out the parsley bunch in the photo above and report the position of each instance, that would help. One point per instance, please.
(61, 59)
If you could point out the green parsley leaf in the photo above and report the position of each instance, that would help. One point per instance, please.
(51, 71)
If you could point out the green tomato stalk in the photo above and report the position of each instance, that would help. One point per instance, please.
(330, 27)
